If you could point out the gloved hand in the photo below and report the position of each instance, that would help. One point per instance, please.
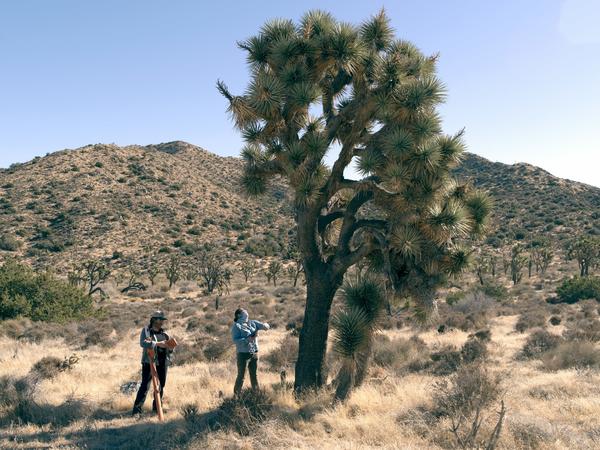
(267, 326)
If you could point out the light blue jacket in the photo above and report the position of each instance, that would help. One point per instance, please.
(240, 332)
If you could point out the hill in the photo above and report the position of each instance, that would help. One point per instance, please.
(531, 203)
(101, 200)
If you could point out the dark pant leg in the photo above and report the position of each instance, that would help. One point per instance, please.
(252, 368)
(161, 371)
(140, 398)
(242, 359)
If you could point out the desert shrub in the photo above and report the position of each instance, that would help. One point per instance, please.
(531, 319)
(572, 354)
(283, 356)
(217, 349)
(494, 290)
(555, 320)
(9, 243)
(579, 288)
(39, 296)
(400, 355)
(47, 367)
(583, 330)
(243, 414)
(446, 361)
(187, 353)
(538, 343)
(469, 313)
(454, 297)
(10, 394)
(473, 349)
(466, 399)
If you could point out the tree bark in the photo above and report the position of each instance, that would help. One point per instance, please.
(310, 366)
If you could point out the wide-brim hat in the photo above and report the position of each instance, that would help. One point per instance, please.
(158, 315)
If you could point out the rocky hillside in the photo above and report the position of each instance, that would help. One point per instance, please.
(531, 203)
(104, 199)
(101, 200)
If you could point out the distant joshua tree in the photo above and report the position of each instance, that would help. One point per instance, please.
(173, 270)
(95, 272)
(377, 97)
(586, 251)
(517, 264)
(248, 267)
(273, 271)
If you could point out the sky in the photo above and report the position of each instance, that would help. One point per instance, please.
(522, 77)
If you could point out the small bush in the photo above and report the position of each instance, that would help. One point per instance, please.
(579, 288)
(583, 330)
(218, 349)
(9, 243)
(571, 354)
(473, 350)
(39, 296)
(531, 319)
(401, 355)
(555, 320)
(495, 291)
(446, 361)
(47, 367)
(285, 355)
(538, 343)
(244, 414)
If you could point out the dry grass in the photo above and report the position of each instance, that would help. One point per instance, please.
(83, 407)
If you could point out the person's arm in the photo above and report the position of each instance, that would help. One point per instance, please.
(146, 341)
(261, 325)
(238, 334)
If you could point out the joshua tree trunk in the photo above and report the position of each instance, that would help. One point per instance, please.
(363, 363)
(321, 287)
(346, 379)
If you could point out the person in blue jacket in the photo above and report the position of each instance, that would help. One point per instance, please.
(244, 333)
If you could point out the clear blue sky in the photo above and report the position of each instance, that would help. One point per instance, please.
(523, 77)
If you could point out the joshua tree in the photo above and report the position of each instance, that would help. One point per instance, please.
(542, 256)
(294, 271)
(247, 268)
(586, 250)
(482, 266)
(153, 271)
(274, 270)
(517, 263)
(377, 97)
(133, 283)
(367, 295)
(94, 273)
(173, 270)
(212, 272)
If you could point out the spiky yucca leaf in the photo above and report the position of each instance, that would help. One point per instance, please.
(315, 143)
(425, 160)
(258, 48)
(307, 187)
(479, 205)
(422, 93)
(344, 48)
(377, 32)
(254, 183)
(252, 133)
(301, 95)
(407, 241)
(405, 48)
(398, 143)
(457, 261)
(278, 29)
(370, 161)
(426, 126)
(266, 95)
(452, 148)
(350, 332)
(285, 51)
(366, 294)
(316, 23)
(447, 221)
(295, 153)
